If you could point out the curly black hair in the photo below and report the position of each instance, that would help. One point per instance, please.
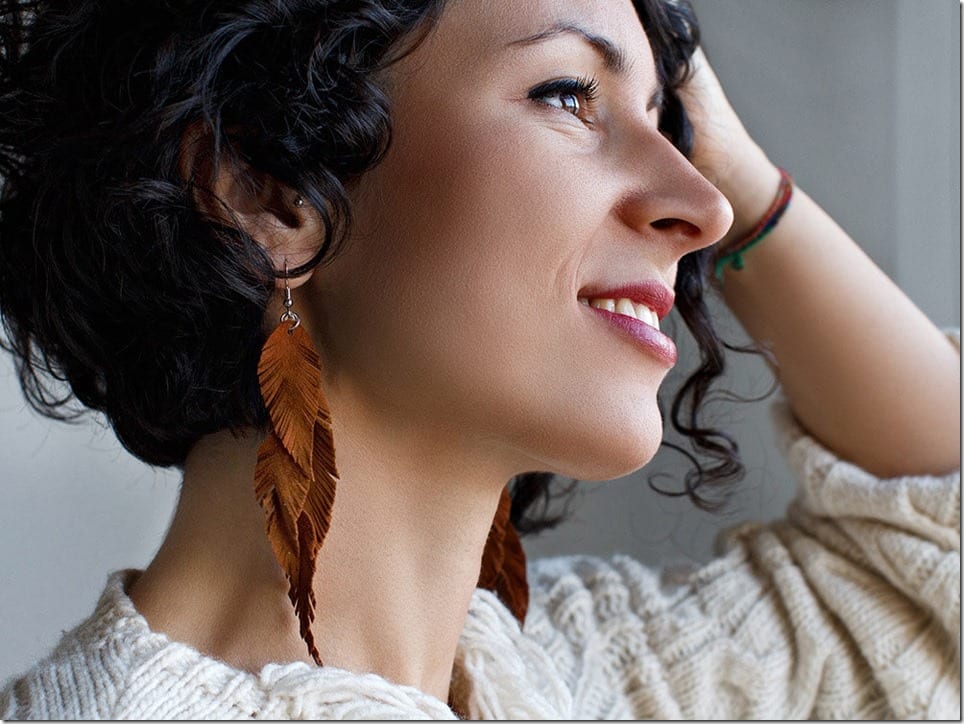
(111, 278)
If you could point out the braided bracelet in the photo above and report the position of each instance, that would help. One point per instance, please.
(734, 258)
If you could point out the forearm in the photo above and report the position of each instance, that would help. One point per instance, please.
(865, 370)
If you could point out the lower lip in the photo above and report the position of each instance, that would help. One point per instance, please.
(652, 340)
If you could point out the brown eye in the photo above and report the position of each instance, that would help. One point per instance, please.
(568, 102)
(572, 95)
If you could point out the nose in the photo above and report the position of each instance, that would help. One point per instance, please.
(669, 201)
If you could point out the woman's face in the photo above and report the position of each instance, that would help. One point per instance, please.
(455, 305)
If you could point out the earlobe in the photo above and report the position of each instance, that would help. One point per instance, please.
(228, 191)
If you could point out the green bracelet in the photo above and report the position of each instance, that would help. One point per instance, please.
(734, 258)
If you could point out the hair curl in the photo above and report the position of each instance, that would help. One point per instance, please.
(113, 281)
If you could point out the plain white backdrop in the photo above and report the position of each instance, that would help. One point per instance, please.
(859, 99)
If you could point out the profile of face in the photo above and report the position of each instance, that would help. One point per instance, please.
(511, 191)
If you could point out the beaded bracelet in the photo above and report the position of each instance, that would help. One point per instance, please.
(734, 258)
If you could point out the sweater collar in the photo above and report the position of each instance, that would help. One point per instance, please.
(499, 672)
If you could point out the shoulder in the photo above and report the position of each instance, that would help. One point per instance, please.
(577, 590)
(113, 666)
(604, 624)
(82, 676)
(597, 574)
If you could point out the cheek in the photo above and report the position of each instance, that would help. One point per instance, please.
(470, 237)
(484, 227)
(458, 296)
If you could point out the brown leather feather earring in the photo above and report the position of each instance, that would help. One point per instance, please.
(503, 568)
(295, 476)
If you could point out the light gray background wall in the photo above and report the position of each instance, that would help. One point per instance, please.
(859, 99)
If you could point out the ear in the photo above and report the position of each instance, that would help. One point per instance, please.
(228, 191)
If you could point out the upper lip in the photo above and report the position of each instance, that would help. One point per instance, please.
(654, 294)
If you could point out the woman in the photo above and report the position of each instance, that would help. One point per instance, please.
(534, 181)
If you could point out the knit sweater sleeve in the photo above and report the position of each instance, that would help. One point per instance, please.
(847, 608)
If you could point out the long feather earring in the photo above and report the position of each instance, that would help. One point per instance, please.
(295, 477)
(503, 568)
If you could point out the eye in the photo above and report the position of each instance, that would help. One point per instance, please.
(573, 95)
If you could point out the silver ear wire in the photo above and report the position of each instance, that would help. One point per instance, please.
(299, 201)
(289, 315)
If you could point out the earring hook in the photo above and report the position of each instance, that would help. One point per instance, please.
(289, 315)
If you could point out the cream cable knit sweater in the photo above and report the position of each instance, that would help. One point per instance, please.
(847, 609)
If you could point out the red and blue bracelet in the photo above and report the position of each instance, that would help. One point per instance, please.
(734, 258)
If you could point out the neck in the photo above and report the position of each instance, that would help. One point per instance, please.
(395, 573)
(400, 563)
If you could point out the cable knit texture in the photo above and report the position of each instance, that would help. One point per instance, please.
(848, 608)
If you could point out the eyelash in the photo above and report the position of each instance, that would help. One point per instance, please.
(585, 87)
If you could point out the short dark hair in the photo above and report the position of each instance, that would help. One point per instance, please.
(111, 278)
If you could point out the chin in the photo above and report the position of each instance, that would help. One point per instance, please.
(611, 456)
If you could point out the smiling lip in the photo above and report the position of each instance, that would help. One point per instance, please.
(650, 339)
(654, 295)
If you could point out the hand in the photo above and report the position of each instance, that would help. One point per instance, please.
(724, 152)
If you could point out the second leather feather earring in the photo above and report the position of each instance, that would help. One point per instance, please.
(504, 561)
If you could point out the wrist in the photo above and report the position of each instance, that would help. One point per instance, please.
(732, 255)
(749, 186)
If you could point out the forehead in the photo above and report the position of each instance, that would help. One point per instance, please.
(480, 30)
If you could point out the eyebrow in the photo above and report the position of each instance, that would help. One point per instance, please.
(615, 59)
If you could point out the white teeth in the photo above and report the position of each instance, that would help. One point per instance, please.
(647, 315)
(626, 307)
